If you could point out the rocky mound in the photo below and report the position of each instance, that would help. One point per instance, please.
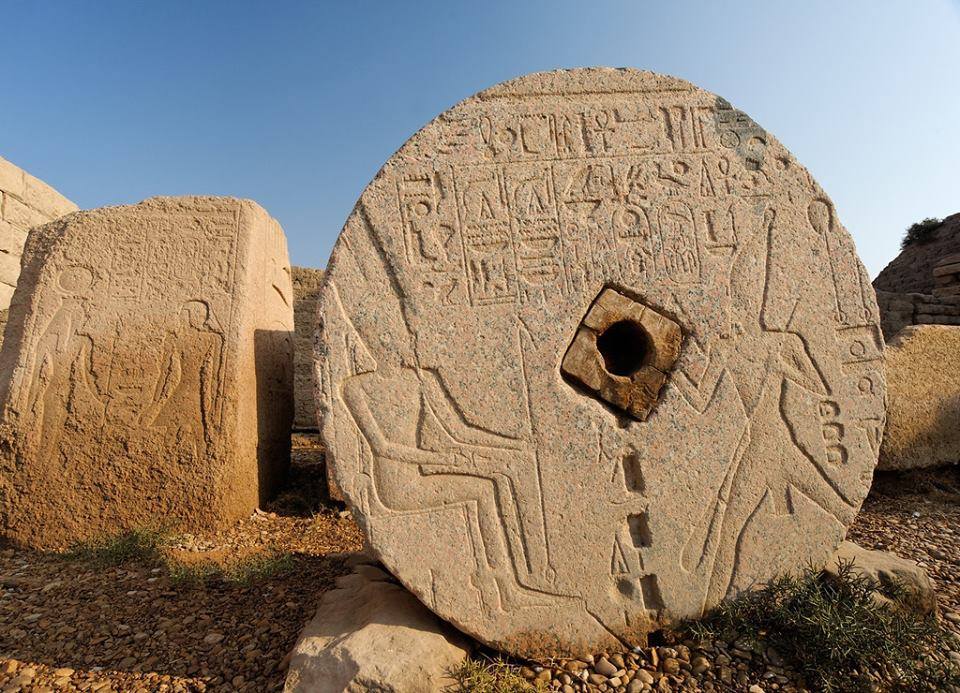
(912, 270)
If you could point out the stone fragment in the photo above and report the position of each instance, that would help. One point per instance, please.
(516, 492)
(923, 398)
(887, 571)
(946, 276)
(370, 634)
(699, 664)
(25, 201)
(306, 287)
(605, 667)
(147, 375)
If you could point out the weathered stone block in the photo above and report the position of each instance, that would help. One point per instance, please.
(20, 214)
(946, 269)
(923, 393)
(940, 308)
(534, 515)
(147, 371)
(371, 634)
(25, 201)
(9, 268)
(889, 573)
(45, 199)
(306, 288)
(11, 178)
(12, 238)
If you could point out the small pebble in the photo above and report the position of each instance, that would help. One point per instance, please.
(670, 665)
(605, 667)
(213, 638)
(699, 665)
(644, 676)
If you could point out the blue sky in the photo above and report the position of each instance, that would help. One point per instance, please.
(297, 104)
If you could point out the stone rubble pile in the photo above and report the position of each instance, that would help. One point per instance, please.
(921, 286)
(912, 270)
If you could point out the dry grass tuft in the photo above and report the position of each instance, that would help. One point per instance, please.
(491, 675)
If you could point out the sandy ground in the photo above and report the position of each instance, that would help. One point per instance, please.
(66, 624)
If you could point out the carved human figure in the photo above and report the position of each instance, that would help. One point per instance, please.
(425, 455)
(770, 467)
(184, 402)
(768, 368)
(62, 350)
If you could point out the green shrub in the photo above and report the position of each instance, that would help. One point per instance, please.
(921, 231)
(838, 634)
(243, 572)
(110, 551)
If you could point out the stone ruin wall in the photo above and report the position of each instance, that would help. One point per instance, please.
(306, 287)
(25, 202)
(921, 286)
(912, 270)
(918, 294)
(902, 310)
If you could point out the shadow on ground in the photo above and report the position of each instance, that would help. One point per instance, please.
(144, 625)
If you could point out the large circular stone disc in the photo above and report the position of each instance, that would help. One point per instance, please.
(595, 353)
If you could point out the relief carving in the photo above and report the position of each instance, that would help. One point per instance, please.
(594, 348)
(130, 398)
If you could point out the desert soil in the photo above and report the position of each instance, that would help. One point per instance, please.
(67, 624)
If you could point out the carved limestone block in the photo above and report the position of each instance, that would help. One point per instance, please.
(147, 376)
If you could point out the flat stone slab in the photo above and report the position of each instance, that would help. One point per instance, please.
(888, 572)
(147, 374)
(371, 634)
(923, 398)
(595, 353)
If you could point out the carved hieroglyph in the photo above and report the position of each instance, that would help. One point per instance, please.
(148, 371)
(532, 511)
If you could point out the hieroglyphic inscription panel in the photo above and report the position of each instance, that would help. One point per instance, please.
(152, 360)
(459, 283)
